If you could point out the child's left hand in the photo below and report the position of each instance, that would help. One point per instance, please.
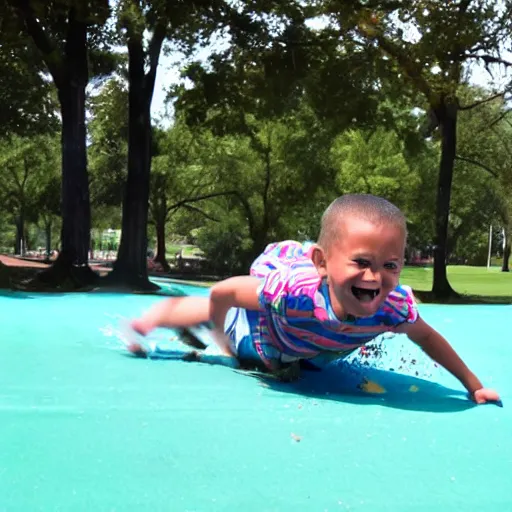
(484, 395)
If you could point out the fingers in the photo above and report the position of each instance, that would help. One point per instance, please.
(482, 396)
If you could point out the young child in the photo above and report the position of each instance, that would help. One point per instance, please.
(317, 301)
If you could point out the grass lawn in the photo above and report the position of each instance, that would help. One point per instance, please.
(475, 284)
(188, 250)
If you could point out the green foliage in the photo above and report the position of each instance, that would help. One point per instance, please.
(269, 72)
(108, 150)
(373, 163)
(29, 167)
(7, 235)
(427, 46)
(482, 183)
(53, 27)
(259, 180)
(30, 177)
(68, 36)
(376, 162)
(226, 245)
(27, 97)
(430, 44)
(273, 127)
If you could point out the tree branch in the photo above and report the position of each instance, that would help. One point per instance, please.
(408, 65)
(502, 140)
(26, 172)
(463, 7)
(154, 49)
(202, 212)
(14, 174)
(500, 118)
(478, 164)
(51, 54)
(488, 59)
(481, 102)
(185, 202)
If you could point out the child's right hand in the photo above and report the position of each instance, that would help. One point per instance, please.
(485, 395)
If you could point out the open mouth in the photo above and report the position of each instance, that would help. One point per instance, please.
(365, 294)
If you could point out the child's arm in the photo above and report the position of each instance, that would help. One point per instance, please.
(189, 311)
(174, 312)
(239, 292)
(441, 351)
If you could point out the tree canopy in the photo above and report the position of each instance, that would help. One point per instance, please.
(300, 103)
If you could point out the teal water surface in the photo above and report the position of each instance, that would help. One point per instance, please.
(85, 427)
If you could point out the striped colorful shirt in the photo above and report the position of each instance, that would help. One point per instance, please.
(298, 321)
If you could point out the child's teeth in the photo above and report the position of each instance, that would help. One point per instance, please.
(365, 294)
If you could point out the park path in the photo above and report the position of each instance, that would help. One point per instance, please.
(12, 261)
(17, 262)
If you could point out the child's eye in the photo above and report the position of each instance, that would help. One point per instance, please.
(362, 263)
(391, 266)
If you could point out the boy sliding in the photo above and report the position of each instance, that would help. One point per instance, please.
(312, 301)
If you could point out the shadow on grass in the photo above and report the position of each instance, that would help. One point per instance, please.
(429, 298)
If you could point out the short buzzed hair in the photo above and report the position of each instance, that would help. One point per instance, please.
(361, 206)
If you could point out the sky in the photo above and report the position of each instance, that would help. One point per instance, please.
(168, 74)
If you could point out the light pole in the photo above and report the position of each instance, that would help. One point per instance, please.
(490, 248)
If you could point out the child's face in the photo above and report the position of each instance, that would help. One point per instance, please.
(363, 267)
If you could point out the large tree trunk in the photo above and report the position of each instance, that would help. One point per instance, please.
(71, 269)
(447, 117)
(259, 241)
(20, 230)
(506, 251)
(76, 213)
(72, 264)
(130, 267)
(160, 243)
(48, 236)
(27, 241)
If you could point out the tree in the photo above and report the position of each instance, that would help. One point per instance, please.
(68, 35)
(450, 37)
(47, 207)
(276, 70)
(488, 158)
(27, 98)
(182, 23)
(264, 178)
(108, 148)
(374, 163)
(181, 178)
(385, 49)
(255, 96)
(28, 166)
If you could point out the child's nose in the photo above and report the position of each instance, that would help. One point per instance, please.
(371, 275)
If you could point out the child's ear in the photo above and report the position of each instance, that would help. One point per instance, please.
(318, 257)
